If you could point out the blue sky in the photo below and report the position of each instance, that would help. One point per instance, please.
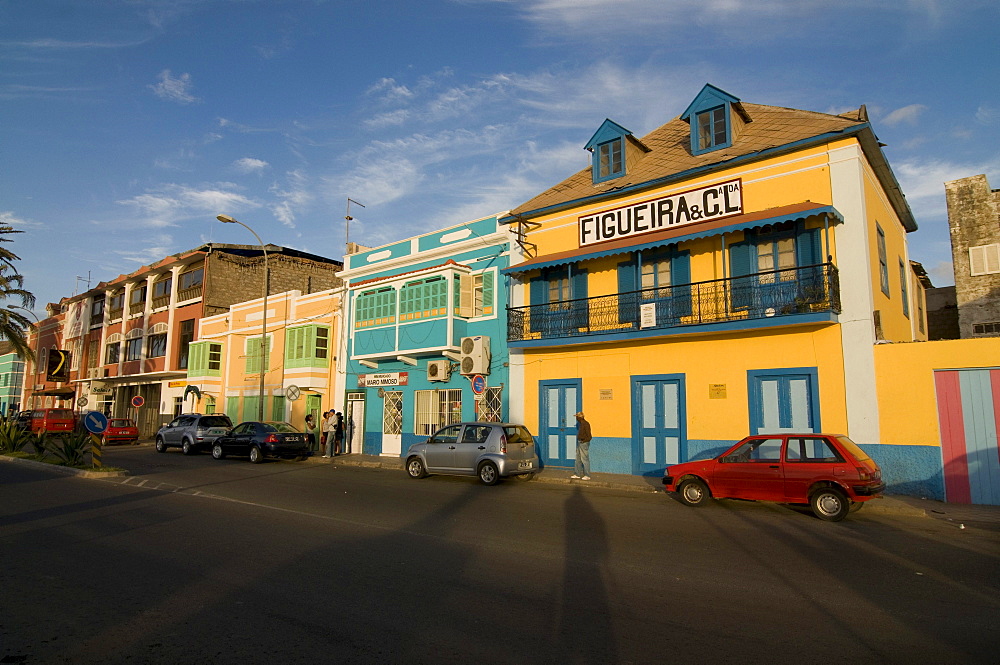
(126, 126)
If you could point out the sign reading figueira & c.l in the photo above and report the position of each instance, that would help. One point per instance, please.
(697, 205)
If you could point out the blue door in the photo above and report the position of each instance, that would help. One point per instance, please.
(658, 423)
(560, 402)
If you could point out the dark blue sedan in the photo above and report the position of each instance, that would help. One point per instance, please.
(258, 441)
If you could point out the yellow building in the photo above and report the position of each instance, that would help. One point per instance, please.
(728, 273)
(302, 333)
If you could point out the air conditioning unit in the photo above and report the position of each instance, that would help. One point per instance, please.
(438, 370)
(475, 355)
(97, 372)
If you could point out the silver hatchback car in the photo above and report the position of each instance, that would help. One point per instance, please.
(489, 450)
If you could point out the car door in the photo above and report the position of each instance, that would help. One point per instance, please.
(440, 450)
(172, 435)
(751, 471)
(239, 440)
(471, 444)
(807, 460)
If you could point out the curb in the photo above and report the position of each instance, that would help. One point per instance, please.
(67, 470)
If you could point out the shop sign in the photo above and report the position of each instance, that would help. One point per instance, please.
(100, 388)
(697, 205)
(383, 379)
(176, 384)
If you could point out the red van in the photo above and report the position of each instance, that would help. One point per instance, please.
(52, 420)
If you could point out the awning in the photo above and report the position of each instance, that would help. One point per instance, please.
(61, 393)
(691, 232)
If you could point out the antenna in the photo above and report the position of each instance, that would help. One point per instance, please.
(348, 218)
(81, 279)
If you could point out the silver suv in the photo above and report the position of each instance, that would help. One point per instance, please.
(488, 450)
(192, 431)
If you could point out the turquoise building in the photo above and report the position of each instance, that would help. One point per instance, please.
(425, 336)
(11, 381)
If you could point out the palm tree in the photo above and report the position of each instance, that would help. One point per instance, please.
(13, 324)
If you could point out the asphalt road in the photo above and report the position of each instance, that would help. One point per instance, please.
(193, 560)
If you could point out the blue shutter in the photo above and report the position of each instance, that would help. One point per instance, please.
(741, 265)
(808, 248)
(680, 273)
(578, 292)
(538, 291)
(627, 286)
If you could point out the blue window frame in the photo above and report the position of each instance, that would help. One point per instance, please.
(713, 129)
(883, 262)
(783, 400)
(661, 277)
(610, 159)
(903, 289)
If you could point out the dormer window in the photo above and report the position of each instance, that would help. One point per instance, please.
(716, 119)
(610, 159)
(713, 130)
(610, 147)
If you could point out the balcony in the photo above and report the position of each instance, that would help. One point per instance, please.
(766, 295)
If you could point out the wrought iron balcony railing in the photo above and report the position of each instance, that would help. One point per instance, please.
(808, 289)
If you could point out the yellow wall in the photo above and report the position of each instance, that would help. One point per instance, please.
(896, 326)
(907, 399)
(723, 361)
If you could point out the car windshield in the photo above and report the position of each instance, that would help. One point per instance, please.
(215, 421)
(60, 413)
(853, 448)
(518, 434)
(279, 427)
(120, 422)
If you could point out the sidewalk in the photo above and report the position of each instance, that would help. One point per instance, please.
(888, 505)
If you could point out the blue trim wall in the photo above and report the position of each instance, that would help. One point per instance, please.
(909, 470)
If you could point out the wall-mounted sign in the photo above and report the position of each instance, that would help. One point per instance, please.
(383, 379)
(647, 315)
(57, 365)
(698, 205)
(606, 393)
(716, 391)
(100, 388)
(176, 384)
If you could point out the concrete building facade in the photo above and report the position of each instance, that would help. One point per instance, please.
(974, 226)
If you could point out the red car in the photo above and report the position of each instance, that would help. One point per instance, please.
(827, 471)
(121, 430)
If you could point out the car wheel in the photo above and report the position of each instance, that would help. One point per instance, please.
(415, 468)
(829, 504)
(160, 446)
(856, 506)
(256, 456)
(692, 492)
(526, 476)
(187, 448)
(488, 473)
(217, 451)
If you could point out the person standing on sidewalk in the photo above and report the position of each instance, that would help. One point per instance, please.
(583, 438)
(311, 432)
(329, 430)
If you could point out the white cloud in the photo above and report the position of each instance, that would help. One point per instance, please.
(907, 114)
(987, 115)
(172, 203)
(923, 182)
(249, 165)
(7, 218)
(156, 247)
(293, 198)
(174, 89)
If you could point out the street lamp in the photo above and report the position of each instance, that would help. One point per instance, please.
(263, 320)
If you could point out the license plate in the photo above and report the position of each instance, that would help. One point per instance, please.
(524, 465)
(293, 439)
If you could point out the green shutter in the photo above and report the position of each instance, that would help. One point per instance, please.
(488, 291)
(233, 408)
(278, 408)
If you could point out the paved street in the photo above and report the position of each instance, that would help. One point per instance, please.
(192, 560)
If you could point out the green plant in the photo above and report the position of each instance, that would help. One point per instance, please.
(70, 449)
(13, 439)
